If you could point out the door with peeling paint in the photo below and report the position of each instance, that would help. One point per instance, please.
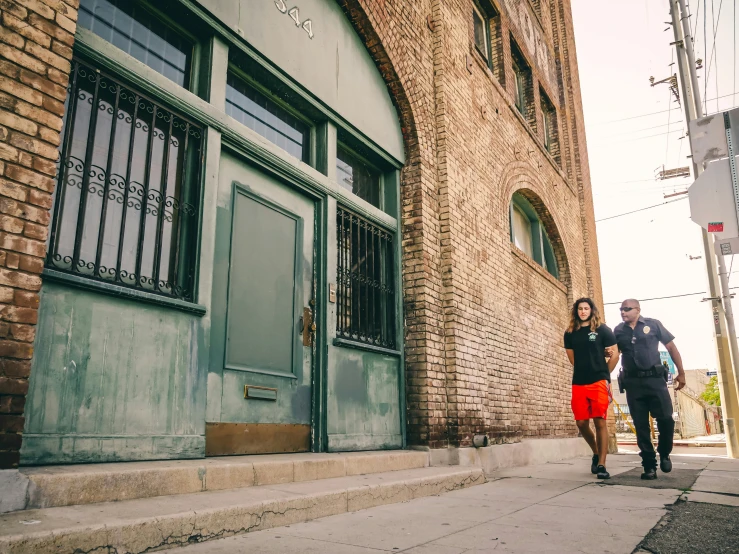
(259, 380)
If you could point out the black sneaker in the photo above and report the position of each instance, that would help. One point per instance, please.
(594, 464)
(602, 473)
(665, 464)
(649, 474)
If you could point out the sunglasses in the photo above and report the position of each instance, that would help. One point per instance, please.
(627, 309)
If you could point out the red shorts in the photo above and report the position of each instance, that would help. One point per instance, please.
(589, 401)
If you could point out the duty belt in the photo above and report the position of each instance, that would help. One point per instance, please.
(652, 372)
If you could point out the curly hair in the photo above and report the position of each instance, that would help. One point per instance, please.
(575, 322)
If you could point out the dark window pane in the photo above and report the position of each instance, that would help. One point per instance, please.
(252, 108)
(365, 299)
(133, 30)
(481, 36)
(126, 205)
(358, 177)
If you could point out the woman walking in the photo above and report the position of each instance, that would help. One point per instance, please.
(591, 349)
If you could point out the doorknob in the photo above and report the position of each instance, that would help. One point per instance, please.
(308, 326)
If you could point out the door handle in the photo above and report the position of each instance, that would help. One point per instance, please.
(308, 326)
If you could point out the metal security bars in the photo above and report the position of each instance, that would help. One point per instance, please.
(365, 287)
(126, 208)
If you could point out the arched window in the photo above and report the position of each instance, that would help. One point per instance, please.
(528, 234)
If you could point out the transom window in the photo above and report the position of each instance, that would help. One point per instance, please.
(128, 26)
(358, 176)
(126, 209)
(260, 113)
(529, 235)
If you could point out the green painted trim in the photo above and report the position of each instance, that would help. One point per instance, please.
(260, 371)
(238, 188)
(346, 343)
(319, 371)
(399, 315)
(236, 40)
(122, 292)
(238, 137)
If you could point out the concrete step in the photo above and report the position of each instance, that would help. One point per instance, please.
(52, 486)
(146, 524)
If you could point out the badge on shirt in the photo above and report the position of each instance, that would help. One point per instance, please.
(592, 336)
(647, 329)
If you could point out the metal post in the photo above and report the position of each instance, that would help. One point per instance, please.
(722, 314)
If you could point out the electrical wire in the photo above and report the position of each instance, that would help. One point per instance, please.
(669, 113)
(641, 209)
(642, 129)
(648, 114)
(713, 53)
(733, 100)
(665, 297)
(647, 137)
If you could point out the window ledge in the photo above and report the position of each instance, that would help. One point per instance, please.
(516, 251)
(346, 343)
(122, 292)
(512, 106)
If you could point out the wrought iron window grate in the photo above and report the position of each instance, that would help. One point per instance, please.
(365, 285)
(126, 208)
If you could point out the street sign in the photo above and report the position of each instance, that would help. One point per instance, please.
(665, 357)
(711, 373)
(711, 199)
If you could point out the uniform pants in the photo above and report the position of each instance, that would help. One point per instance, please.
(647, 395)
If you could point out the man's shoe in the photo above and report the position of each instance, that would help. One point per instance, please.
(649, 474)
(594, 464)
(602, 473)
(665, 464)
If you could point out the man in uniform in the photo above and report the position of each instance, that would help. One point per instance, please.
(645, 381)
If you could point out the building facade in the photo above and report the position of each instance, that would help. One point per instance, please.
(252, 226)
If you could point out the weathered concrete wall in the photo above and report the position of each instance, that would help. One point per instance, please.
(113, 379)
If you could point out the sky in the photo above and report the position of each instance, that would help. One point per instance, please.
(633, 130)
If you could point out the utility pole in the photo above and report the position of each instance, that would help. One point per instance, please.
(723, 316)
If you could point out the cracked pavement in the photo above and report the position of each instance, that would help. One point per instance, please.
(557, 507)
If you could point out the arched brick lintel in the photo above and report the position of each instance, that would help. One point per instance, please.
(359, 19)
(520, 178)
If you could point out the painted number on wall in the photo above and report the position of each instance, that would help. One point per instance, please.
(294, 14)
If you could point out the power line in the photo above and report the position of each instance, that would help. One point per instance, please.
(651, 113)
(664, 297)
(648, 136)
(713, 48)
(643, 129)
(641, 209)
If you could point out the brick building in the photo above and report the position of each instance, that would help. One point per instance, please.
(423, 164)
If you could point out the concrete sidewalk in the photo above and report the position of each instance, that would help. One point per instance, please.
(556, 507)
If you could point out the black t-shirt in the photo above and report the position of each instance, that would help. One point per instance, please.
(589, 348)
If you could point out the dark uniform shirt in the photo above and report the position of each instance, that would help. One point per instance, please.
(640, 346)
(589, 349)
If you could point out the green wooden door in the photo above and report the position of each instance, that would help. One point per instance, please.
(261, 358)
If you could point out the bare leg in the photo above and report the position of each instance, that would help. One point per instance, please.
(587, 434)
(601, 431)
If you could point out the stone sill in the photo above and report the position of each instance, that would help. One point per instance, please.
(516, 251)
(482, 62)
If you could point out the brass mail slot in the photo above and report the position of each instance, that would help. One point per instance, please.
(261, 393)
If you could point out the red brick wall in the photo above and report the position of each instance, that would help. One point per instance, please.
(484, 322)
(36, 38)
